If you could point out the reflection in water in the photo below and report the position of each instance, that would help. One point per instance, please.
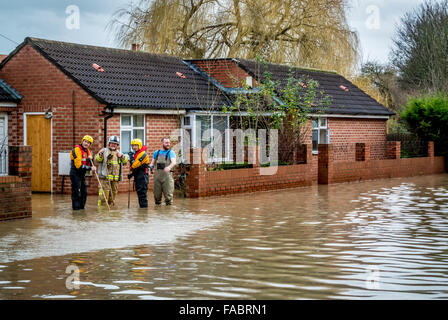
(382, 239)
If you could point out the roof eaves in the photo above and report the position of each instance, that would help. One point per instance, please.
(15, 96)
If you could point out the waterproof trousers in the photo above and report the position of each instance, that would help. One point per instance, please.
(141, 179)
(108, 193)
(79, 189)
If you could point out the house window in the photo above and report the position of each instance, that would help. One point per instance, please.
(199, 128)
(131, 127)
(3, 144)
(321, 134)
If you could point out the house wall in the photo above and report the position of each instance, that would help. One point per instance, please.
(44, 87)
(346, 132)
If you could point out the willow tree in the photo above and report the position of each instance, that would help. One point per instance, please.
(308, 33)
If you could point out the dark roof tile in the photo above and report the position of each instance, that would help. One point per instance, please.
(131, 79)
(353, 102)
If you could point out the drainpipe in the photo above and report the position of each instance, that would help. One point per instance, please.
(73, 117)
(105, 124)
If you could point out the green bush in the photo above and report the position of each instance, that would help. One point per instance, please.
(427, 117)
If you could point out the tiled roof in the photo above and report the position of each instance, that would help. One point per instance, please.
(8, 94)
(130, 78)
(354, 101)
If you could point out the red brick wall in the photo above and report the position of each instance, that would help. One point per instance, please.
(346, 132)
(15, 189)
(226, 72)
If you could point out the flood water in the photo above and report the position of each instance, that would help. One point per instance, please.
(385, 239)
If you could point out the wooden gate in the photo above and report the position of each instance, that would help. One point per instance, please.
(38, 135)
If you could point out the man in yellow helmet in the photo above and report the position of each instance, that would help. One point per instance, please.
(110, 161)
(140, 171)
(81, 162)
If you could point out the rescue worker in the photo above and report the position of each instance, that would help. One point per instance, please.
(140, 171)
(81, 163)
(110, 161)
(164, 161)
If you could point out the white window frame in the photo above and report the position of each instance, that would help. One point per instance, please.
(130, 128)
(6, 172)
(194, 133)
(318, 129)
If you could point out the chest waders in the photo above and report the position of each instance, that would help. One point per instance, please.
(163, 181)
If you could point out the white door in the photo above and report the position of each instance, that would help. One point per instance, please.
(3, 144)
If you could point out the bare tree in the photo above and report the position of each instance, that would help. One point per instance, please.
(420, 47)
(309, 33)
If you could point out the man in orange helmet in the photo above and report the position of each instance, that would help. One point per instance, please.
(81, 162)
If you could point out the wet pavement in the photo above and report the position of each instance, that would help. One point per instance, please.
(384, 239)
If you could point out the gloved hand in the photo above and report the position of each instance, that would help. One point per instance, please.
(130, 176)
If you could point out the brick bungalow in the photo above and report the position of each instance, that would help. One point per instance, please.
(70, 90)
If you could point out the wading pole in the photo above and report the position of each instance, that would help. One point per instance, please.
(99, 183)
(129, 194)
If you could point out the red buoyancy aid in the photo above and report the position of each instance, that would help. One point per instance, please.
(84, 156)
(137, 154)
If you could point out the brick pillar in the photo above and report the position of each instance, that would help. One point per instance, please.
(431, 149)
(20, 162)
(362, 152)
(325, 163)
(393, 150)
(431, 155)
(15, 189)
(301, 155)
(253, 156)
(196, 176)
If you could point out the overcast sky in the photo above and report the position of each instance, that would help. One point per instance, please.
(374, 20)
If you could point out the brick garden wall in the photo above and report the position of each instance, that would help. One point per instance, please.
(331, 171)
(15, 189)
(202, 183)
